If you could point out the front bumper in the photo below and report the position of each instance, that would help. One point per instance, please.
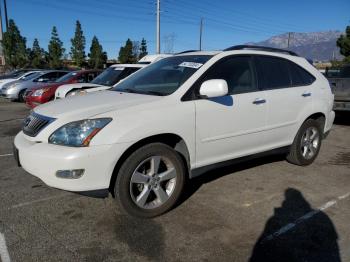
(43, 160)
(9, 94)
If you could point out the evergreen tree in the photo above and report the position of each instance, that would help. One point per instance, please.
(126, 53)
(14, 46)
(97, 58)
(78, 46)
(343, 43)
(37, 55)
(56, 50)
(143, 48)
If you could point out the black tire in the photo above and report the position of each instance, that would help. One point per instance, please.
(295, 155)
(21, 96)
(123, 187)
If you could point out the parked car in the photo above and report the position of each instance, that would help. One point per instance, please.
(23, 76)
(148, 59)
(16, 90)
(175, 119)
(17, 73)
(104, 81)
(340, 84)
(35, 96)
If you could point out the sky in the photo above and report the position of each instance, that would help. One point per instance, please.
(225, 22)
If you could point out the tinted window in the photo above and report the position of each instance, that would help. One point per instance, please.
(273, 72)
(300, 77)
(238, 73)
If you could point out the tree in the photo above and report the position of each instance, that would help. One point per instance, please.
(97, 58)
(78, 46)
(143, 48)
(56, 50)
(37, 55)
(126, 54)
(135, 50)
(343, 43)
(14, 46)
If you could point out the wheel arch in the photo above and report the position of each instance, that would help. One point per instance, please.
(170, 139)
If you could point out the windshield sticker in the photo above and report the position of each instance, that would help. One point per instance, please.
(191, 65)
(119, 68)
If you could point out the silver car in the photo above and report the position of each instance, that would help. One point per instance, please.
(16, 90)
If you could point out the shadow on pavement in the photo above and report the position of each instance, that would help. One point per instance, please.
(313, 239)
(342, 118)
(192, 185)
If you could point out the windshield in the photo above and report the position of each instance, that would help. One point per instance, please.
(66, 77)
(108, 77)
(28, 76)
(163, 77)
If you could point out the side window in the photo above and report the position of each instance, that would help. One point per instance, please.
(59, 74)
(81, 78)
(90, 76)
(300, 77)
(49, 77)
(273, 72)
(237, 71)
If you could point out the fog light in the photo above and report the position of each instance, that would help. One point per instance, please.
(70, 174)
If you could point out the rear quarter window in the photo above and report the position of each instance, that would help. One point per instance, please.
(299, 76)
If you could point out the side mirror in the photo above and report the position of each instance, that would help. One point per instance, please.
(213, 88)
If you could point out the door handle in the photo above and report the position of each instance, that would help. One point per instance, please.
(259, 101)
(306, 94)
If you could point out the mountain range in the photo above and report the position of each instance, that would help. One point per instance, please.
(318, 46)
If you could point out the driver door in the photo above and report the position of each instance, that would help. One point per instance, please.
(230, 126)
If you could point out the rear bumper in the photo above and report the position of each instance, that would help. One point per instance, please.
(43, 160)
(329, 121)
(341, 106)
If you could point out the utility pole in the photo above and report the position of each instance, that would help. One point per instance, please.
(2, 57)
(158, 26)
(6, 19)
(1, 30)
(289, 34)
(200, 34)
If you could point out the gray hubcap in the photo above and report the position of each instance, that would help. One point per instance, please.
(310, 142)
(153, 182)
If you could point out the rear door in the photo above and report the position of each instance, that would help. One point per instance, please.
(288, 94)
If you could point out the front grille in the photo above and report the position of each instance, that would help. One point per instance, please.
(34, 123)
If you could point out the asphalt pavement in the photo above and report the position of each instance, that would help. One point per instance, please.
(260, 210)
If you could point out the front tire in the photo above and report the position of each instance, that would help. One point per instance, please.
(150, 181)
(21, 96)
(306, 144)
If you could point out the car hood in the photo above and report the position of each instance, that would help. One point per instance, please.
(89, 105)
(67, 87)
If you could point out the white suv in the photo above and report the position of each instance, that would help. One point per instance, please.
(174, 119)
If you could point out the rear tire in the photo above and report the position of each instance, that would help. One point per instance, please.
(150, 181)
(306, 144)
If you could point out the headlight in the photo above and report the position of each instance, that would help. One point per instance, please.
(76, 92)
(78, 133)
(40, 92)
(10, 86)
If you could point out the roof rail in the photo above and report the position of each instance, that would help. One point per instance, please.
(186, 51)
(260, 48)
